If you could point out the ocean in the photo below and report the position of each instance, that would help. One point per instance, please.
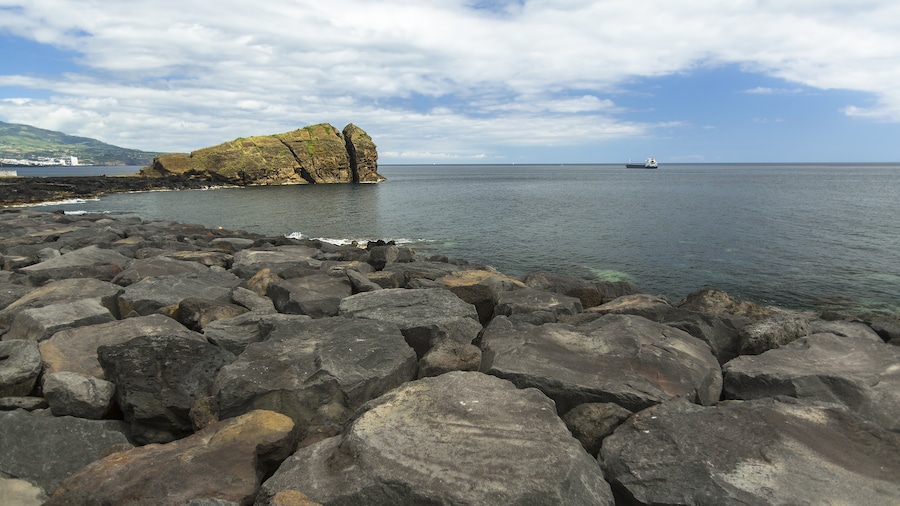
(800, 236)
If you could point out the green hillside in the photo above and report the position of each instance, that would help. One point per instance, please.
(24, 142)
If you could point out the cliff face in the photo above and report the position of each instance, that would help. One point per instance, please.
(314, 154)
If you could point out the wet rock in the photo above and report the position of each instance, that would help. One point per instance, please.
(224, 461)
(624, 359)
(860, 373)
(459, 438)
(425, 316)
(157, 379)
(767, 451)
(20, 366)
(316, 371)
(74, 394)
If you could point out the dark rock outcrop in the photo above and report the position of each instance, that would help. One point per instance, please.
(314, 154)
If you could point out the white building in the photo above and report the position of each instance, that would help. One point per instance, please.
(73, 160)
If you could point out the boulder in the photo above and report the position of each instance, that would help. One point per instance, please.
(590, 423)
(64, 290)
(27, 403)
(235, 334)
(252, 301)
(153, 294)
(260, 281)
(75, 349)
(360, 282)
(383, 255)
(773, 331)
(406, 272)
(38, 324)
(710, 300)
(481, 288)
(205, 257)
(10, 293)
(45, 449)
(280, 255)
(223, 462)
(860, 373)
(74, 394)
(628, 360)
(196, 313)
(425, 316)
(316, 371)
(87, 262)
(155, 267)
(530, 300)
(761, 452)
(157, 380)
(458, 438)
(450, 355)
(20, 366)
(318, 295)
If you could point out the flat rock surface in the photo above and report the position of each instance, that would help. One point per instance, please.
(758, 452)
(861, 373)
(624, 359)
(459, 438)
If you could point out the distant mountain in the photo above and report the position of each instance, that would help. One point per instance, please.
(24, 142)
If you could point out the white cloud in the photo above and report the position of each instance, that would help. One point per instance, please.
(177, 75)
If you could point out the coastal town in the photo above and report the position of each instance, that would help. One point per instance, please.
(41, 161)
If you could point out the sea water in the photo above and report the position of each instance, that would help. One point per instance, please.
(795, 235)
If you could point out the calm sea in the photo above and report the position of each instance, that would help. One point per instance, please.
(794, 235)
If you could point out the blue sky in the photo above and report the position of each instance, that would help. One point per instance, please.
(468, 81)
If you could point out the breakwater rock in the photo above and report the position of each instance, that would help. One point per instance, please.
(314, 154)
(166, 363)
(34, 190)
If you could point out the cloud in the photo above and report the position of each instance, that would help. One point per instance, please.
(167, 75)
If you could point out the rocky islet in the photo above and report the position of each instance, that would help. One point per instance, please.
(166, 363)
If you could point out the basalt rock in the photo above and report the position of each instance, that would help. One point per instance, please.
(314, 154)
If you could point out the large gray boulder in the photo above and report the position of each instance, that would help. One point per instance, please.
(628, 360)
(762, 452)
(860, 373)
(20, 366)
(481, 288)
(88, 262)
(38, 324)
(155, 267)
(316, 371)
(773, 331)
(407, 272)
(425, 316)
(278, 255)
(458, 438)
(530, 300)
(75, 349)
(318, 295)
(153, 294)
(222, 464)
(157, 380)
(45, 449)
(61, 291)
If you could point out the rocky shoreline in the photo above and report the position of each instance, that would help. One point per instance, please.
(166, 363)
(36, 190)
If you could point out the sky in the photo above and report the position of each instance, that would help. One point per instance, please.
(468, 81)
